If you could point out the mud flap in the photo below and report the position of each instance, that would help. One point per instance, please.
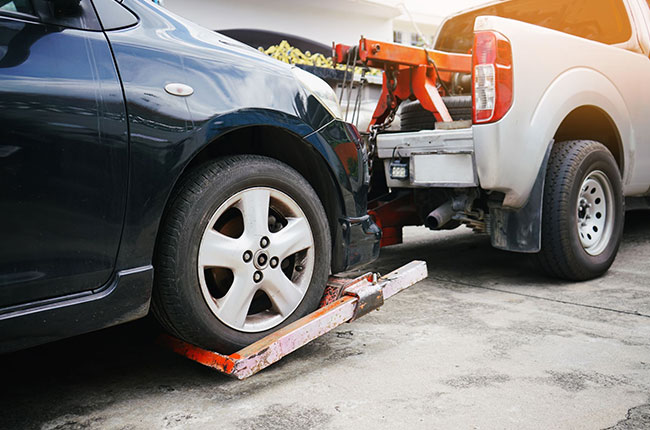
(521, 230)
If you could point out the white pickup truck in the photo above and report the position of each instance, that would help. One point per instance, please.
(559, 141)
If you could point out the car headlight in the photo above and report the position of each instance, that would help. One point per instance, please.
(319, 89)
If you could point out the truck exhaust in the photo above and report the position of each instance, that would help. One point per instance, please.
(440, 216)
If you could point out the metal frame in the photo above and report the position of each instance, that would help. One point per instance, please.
(409, 73)
(344, 301)
(391, 215)
(426, 142)
(402, 144)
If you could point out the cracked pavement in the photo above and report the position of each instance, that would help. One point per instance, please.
(486, 342)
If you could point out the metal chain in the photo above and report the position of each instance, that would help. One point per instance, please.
(356, 112)
(375, 129)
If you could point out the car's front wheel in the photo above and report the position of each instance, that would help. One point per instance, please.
(583, 211)
(244, 250)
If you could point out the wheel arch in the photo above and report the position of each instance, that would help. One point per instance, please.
(583, 104)
(589, 122)
(284, 145)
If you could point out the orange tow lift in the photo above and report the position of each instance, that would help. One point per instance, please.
(409, 73)
(344, 300)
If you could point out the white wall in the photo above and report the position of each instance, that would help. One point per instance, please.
(322, 21)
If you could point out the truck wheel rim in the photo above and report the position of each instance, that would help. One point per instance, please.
(595, 213)
(256, 259)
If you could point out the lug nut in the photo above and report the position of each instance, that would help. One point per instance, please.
(262, 259)
(264, 242)
(274, 262)
(257, 276)
(248, 256)
(299, 268)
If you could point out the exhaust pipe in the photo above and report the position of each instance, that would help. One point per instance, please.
(440, 216)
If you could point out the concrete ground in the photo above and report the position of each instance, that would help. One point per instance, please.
(486, 342)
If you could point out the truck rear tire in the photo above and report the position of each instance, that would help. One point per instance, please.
(413, 117)
(583, 212)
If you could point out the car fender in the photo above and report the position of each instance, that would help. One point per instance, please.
(220, 125)
(519, 230)
(575, 88)
(157, 169)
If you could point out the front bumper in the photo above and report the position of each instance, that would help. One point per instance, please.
(436, 158)
(362, 237)
(355, 235)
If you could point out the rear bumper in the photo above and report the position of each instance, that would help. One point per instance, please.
(436, 158)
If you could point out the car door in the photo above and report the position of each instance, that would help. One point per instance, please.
(63, 152)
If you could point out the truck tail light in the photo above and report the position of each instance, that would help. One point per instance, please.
(491, 77)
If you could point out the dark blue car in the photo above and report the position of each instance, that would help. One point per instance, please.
(146, 162)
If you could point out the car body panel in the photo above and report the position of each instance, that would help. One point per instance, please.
(63, 191)
(125, 297)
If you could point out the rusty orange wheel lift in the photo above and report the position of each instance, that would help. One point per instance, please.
(344, 300)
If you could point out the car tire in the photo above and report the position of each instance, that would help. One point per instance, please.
(583, 211)
(413, 117)
(244, 249)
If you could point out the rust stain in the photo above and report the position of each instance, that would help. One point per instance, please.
(332, 293)
(337, 286)
(324, 310)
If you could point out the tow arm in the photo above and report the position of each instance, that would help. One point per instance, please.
(345, 300)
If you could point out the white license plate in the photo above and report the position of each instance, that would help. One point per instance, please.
(443, 170)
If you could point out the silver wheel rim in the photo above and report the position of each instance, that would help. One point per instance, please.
(241, 282)
(595, 213)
